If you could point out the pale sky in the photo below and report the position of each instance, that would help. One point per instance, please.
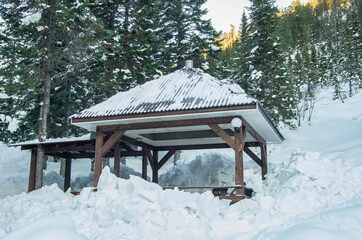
(226, 12)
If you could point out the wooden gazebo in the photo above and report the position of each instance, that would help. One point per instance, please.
(187, 109)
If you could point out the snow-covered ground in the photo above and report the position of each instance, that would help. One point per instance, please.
(313, 191)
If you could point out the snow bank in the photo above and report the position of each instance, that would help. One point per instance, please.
(57, 227)
(14, 170)
(338, 224)
(120, 208)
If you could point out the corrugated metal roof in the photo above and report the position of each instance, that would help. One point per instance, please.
(184, 89)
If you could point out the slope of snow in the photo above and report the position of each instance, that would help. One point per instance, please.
(313, 191)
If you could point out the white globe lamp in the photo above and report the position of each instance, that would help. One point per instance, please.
(236, 123)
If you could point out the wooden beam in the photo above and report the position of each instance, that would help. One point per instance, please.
(136, 142)
(165, 158)
(67, 177)
(117, 158)
(155, 170)
(221, 133)
(111, 141)
(239, 161)
(203, 146)
(253, 156)
(264, 160)
(32, 170)
(144, 165)
(166, 124)
(98, 156)
(192, 147)
(125, 146)
(92, 154)
(53, 148)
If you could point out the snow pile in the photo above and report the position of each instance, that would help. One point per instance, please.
(59, 227)
(87, 181)
(208, 169)
(14, 170)
(121, 208)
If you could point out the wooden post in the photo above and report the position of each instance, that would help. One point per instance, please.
(98, 156)
(68, 169)
(40, 158)
(144, 164)
(117, 159)
(32, 170)
(155, 170)
(264, 160)
(239, 168)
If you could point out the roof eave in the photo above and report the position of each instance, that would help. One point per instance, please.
(151, 115)
(270, 122)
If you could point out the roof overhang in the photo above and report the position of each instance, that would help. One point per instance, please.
(158, 135)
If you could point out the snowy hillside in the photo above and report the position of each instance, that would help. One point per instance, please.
(313, 191)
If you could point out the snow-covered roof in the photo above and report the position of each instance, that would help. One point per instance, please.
(86, 137)
(185, 94)
(184, 89)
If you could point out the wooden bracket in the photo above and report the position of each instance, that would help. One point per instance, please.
(168, 155)
(221, 133)
(150, 159)
(253, 156)
(111, 141)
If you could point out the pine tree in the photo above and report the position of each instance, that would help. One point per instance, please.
(186, 34)
(352, 46)
(242, 62)
(269, 81)
(41, 43)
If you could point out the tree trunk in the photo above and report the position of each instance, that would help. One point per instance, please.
(176, 157)
(45, 105)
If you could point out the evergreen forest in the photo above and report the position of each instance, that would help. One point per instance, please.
(58, 57)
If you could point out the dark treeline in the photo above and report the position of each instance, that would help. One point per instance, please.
(61, 56)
